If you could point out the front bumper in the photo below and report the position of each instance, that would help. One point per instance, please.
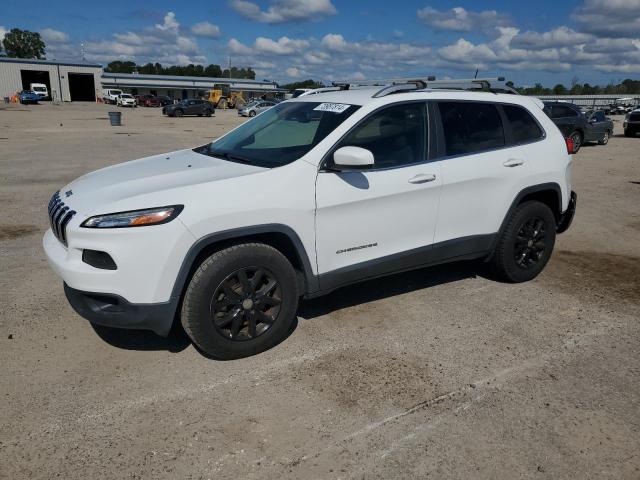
(567, 217)
(114, 311)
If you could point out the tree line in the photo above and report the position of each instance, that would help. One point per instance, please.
(190, 70)
(627, 86)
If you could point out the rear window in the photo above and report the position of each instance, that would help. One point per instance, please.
(561, 111)
(524, 127)
(471, 127)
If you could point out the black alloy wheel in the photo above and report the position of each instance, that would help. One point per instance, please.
(530, 243)
(246, 303)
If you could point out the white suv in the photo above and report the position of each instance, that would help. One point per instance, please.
(316, 193)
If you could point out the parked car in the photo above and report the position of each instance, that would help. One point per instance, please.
(631, 123)
(40, 89)
(110, 95)
(148, 100)
(189, 107)
(165, 100)
(578, 127)
(28, 96)
(253, 109)
(126, 100)
(314, 194)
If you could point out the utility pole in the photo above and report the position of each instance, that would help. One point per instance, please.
(229, 66)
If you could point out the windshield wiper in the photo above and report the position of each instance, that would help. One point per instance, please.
(231, 157)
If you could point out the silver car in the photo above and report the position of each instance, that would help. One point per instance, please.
(254, 108)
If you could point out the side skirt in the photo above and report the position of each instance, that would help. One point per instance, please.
(467, 248)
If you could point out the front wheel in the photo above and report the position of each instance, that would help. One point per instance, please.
(241, 301)
(526, 243)
(605, 139)
(178, 113)
(252, 113)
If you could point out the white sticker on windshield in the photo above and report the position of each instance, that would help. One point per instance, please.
(332, 107)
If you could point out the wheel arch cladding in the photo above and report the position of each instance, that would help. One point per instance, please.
(281, 237)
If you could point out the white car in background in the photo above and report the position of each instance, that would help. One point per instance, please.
(126, 100)
(110, 95)
(41, 90)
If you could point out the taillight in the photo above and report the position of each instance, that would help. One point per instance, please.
(570, 145)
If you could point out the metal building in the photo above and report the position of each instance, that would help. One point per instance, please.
(65, 81)
(180, 87)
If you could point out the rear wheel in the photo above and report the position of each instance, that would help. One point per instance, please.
(241, 301)
(208, 113)
(577, 141)
(526, 243)
(252, 113)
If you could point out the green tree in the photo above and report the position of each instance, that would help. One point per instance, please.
(559, 89)
(23, 44)
(119, 66)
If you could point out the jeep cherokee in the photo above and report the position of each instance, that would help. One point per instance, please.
(316, 193)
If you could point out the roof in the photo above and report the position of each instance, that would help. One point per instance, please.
(49, 62)
(365, 95)
(180, 78)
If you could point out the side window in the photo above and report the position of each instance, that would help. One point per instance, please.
(600, 117)
(471, 127)
(395, 135)
(560, 111)
(524, 128)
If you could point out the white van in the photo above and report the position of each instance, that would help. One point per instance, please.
(110, 95)
(40, 89)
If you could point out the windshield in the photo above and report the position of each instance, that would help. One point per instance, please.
(281, 134)
(40, 89)
(125, 95)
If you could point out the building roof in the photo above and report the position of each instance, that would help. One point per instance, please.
(181, 78)
(35, 61)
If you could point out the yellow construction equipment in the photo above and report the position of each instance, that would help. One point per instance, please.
(224, 98)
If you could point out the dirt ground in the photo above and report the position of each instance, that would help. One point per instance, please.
(438, 373)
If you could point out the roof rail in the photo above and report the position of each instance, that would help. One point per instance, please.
(494, 85)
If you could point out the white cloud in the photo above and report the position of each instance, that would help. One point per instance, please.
(281, 11)
(49, 35)
(170, 23)
(162, 43)
(558, 37)
(239, 48)
(3, 32)
(610, 18)
(205, 29)
(293, 72)
(268, 46)
(459, 19)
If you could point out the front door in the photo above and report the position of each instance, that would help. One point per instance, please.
(369, 222)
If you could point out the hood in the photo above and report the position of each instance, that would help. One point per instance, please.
(96, 190)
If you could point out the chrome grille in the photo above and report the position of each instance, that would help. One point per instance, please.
(59, 217)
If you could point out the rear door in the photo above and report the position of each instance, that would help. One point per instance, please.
(599, 125)
(482, 171)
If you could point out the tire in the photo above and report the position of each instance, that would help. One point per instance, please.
(207, 113)
(178, 113)
(605, 139)
(629, 133)
(252, 113)
(577, 138)
(526, 243)
(219, 277)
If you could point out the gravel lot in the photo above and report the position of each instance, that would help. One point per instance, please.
(438, 373)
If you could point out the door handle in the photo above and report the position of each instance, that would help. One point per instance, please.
(513, 162)
(422, 178)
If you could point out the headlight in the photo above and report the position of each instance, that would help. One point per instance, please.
(134, 218)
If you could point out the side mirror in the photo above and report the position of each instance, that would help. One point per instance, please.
(353, 158)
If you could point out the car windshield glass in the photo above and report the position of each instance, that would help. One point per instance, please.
(281, 134)
(40, 89)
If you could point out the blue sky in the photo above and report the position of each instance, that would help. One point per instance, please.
(597, 41)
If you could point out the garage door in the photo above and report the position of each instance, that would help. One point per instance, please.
(82, 87)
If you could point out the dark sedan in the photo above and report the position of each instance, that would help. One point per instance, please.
(165, 100)
(189, 107)
(581, 128)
